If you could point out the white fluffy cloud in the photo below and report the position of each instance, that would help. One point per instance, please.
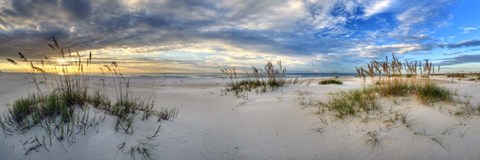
(375, 50)
(378, 6)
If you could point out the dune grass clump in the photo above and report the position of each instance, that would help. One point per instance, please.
(394, 88)
(265, 80)
(65, 87)
(99, 100)
(350, 102)
(431, 92)
(330, 81)
(29, 111)
(247, 85)
(125, 109)
(21, 109)
(407, 82)
(391, 78)
(63, 98)
(426, 91)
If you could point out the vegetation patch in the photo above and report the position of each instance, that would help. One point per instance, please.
(349, 102)
(456, 75)
(268, 79)
(430, 93)
(391, 78)
(330, 81)
(63, 99)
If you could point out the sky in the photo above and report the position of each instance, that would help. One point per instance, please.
(192, 36)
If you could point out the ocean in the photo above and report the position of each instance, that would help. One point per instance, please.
(221, 75)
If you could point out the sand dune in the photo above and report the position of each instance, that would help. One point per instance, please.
(272, 125)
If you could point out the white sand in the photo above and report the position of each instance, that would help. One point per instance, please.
(273, 125)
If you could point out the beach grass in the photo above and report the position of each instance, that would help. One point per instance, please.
(268, 79)
(391, 78)
(64, 97)
(430, 93)
(350, 102)
(330, 81)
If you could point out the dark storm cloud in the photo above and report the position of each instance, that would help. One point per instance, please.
(106, 26)
(28, 8)
(79, 9)
(111, 25)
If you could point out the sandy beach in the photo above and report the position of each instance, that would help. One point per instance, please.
(214, 124)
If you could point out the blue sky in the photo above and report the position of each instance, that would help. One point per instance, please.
(203, 36)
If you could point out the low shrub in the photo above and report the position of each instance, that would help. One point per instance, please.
(330, 81)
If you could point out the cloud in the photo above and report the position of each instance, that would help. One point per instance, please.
(461, 59)
(470, 43)
(465, 51)
(378, 7)
(375, 50)
(216, 29)
(78, 9)
(454, 53)
(413, 18)
(420, 37)
(267, 27)
(468, 29)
